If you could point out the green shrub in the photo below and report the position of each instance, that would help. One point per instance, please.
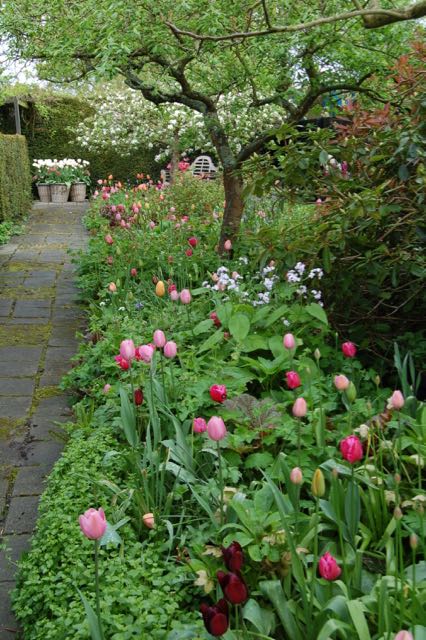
(15, 178)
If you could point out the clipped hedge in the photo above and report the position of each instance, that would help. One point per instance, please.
(15, 177)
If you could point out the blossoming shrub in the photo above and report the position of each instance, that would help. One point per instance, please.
(244, 441)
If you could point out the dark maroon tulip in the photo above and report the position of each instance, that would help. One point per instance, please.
(218, 392)
(213, 316)
(233, 586)
(215, 617)
(138, 396)
(233, 556)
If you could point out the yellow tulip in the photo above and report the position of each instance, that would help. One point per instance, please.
(160, 289)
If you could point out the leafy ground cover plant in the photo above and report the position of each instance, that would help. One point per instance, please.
(244, 446)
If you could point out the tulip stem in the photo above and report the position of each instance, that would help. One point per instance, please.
(315, 565)
(299, 440)
(97, 589)
(220, 482)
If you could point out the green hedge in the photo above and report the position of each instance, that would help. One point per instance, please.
(15, 178)
(48, 125)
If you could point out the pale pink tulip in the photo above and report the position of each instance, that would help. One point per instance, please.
(127, 350)
(396, 401)
(170, 349)
(185, 296)
(148, 520)
(146, 352)
(289, 341)
(300, 408)
(159, 338)
(341, 382)
(296, 475)
(93, 523)
(174, 295)
(227, 245)
(107, 388)
(216, 428)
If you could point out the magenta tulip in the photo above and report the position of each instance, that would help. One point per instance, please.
(328, 567)
(93, 523)
(170, 349)
(349, 349)
(300, 408)
(351, 449)
(218, 392)
(159, 338)
(216, 428)
(289, 341)
(293, 379)
(199, 425)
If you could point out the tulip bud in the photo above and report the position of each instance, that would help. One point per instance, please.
(351, 392)
(317, 354)
(414, 541)
(403, 635)
(293, 379)
(148, 520)
(107, 388)
(328, 567)
(216, 428)
(133, 272)
(199, 425)
(296, 475)
(349, 349)
(109, 239)
(341, 382)
(112, 287)
(159, 338)
(318, 484)
(174, 295)
(397, 513)
(396, 401)
(185, 296)
(93, 523)
(160, 289)
(300, 408)
(351, 449)
(138, 397)
(170, 349)
(227, 245)
(289, 341)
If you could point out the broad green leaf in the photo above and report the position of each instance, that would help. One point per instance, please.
(260, 460)
(356, 612)
(203, 327)
(211, 341)
(262, 619)
(95, 627)
(316, 311)
(239, 326)
(128, 419)
(276, 346)
(352, 510)
(273, 590)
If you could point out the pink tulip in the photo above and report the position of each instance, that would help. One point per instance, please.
(289, 341)
(170, 349)
(93, 523)
(216, 428)
(328, 567)
(152, 224)
(300, 408)
(110, 260)
(133, 272)
(351, 449)
(112, 287)
(296, 475)
(341, 382)
(107, 388)
(127, 350)
(404, 635)
(174, 295)
(146, 352)
(349, 349)
(185, 296)
(293, 379)
(227, 245)
(148, 520)
(159, 338)
(396, 401)
(118, 217)
(199, 425)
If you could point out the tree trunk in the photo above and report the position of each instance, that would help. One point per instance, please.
(234, 208)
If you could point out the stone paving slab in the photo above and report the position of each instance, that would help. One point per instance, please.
(38, 320)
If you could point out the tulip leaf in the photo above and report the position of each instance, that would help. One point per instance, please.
(239, 326)
(356, 612)
(273, 590)
(352, 510)
(262, 619)
(128, 419)
(110, 536)
(211, 341)
(92, 619)
(203, 327)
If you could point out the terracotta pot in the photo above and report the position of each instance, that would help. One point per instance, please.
(78, 192)
(43, 192)
(59, 193)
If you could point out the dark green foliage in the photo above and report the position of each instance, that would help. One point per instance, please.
(15, 178)
(48, 126)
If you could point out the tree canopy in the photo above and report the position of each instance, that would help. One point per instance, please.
(289, 55)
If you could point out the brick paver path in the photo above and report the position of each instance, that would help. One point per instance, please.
(38, 320)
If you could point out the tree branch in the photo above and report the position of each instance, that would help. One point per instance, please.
(373, 18)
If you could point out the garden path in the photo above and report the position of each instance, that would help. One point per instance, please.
(38, 320)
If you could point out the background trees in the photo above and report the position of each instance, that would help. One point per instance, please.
(194, 55)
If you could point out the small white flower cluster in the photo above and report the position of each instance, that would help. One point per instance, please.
(61, 164)
(268, 281)
(223, 281)
(296, 275)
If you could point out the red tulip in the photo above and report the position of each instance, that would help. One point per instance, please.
(328, 567)
(351, 449)
(293, 379)
(122, 362)
(218, 392)
(213, 316)
(233, 586)
(138, 395)
(233, 556)
(349, 349)
(133, 272)
(215, 617)
(188, 252)
(193, 241)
